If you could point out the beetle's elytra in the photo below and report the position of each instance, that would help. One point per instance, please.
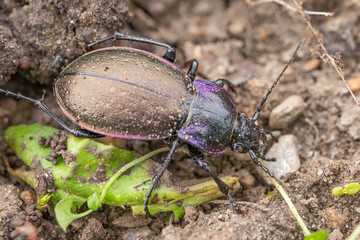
(131, 93)
(123, 86)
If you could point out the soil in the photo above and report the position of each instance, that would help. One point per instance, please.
(231, 39)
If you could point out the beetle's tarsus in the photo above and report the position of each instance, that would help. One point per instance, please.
(146, 209)
(272, 135)
(200, 160)
(267, 159)
(266, 170)
(235, 206)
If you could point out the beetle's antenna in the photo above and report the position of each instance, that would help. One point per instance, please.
(257, 113)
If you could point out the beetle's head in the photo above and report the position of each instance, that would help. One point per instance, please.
(248, 136)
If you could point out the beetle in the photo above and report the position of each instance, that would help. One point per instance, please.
(131, 93)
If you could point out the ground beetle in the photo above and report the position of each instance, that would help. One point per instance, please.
(130, 93)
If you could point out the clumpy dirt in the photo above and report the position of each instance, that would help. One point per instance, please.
(52, 33)
(232, 39)
(58, 146)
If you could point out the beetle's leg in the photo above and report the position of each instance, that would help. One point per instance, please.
(267, 159)
(221, 81)
(266, 170)
(201, 161)
(254, 157)
(169, 54)
(272, 135)
(48, 111)
(158, 175)
(193, 69)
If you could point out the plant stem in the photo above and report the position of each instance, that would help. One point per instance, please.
(291, 205)
(355, 234)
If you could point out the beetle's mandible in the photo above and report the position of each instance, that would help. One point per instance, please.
(131, 93)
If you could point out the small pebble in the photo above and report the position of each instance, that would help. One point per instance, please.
(354, 83)
(236, 27)
(335, 235)
(28, 197)
(350, 121)
(357, 209)
(221, 217)
(93, 230)
(27, 229)
(246, 179)
(311, 65)
(19, 219)
(286, 154)
(191, 214)
(266, 201)
(143, 232)
(336, 218)
(287, 112)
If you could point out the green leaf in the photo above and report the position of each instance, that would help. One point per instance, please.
(319, 235)
(64, 212)
(352, 188)
(102, 174)
(337, 191)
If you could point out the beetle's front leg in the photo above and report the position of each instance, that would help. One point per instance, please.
(192, 69)
(201, 161)
(158, 175)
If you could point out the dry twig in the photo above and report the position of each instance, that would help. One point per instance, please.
(325, 55)
(289, 7)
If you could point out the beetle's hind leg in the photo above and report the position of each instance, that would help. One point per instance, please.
(201, 161)
(48, 111)
(169, 54)
(158, 175)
